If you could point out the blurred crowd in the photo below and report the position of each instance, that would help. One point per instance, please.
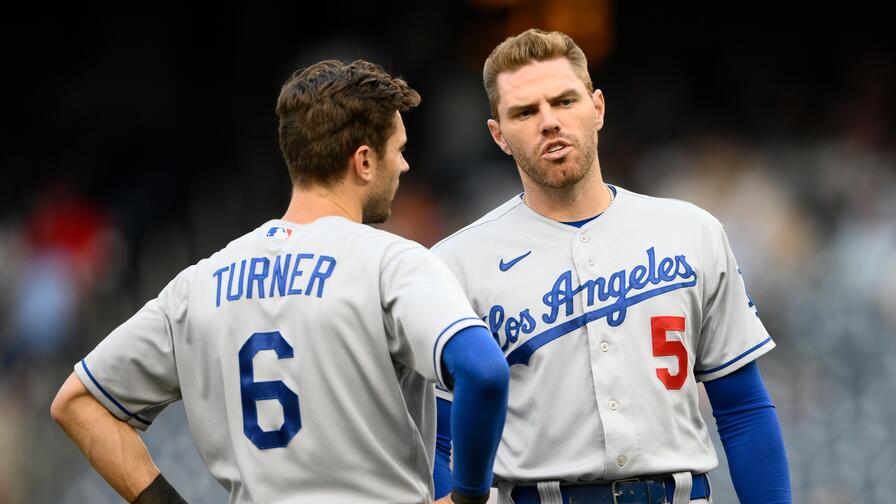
(805, 185)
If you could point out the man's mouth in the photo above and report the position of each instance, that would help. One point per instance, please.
(556, 150)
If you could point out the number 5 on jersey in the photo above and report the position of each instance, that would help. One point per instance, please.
(662, 347)
(252, 391)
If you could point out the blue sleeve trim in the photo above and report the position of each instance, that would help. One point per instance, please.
(732, 361)
(109, 396)
(435, 347)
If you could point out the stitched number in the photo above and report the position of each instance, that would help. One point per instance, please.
(662, 347)
(252, 391)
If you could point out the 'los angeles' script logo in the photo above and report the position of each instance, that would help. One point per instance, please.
(622, 289)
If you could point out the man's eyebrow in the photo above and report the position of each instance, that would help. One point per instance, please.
(512, 110)
(566, 93)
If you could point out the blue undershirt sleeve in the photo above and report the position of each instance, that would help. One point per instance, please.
(751, 435)
(441, 472)
(480, 378)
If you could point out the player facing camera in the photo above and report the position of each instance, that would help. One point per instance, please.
(611, 307)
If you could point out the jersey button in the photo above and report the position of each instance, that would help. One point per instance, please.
(620, 460)
(604, 346)
(589, 262)
(613, 405)
(584, 238)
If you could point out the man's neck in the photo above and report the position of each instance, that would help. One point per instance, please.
(589, 197)
(311, 203)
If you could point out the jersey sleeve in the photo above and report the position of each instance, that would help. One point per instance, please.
(732, 335)
(132, 372)
(423, 307)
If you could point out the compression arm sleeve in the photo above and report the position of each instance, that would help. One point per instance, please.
(480, 378)
(751, 435)
(441, 472)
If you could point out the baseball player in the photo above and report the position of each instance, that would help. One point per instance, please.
(305, 350)
(610, 307)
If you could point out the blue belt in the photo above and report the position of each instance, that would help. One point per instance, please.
(636, 491)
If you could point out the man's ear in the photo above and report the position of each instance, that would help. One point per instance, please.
(599, 107)
(363, 163)
(494, 127)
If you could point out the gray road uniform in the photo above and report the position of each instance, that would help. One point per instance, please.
(607, 328)
(305, 356)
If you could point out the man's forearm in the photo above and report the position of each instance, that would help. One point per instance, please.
(751, 435)
(480, 376)
(113, 447)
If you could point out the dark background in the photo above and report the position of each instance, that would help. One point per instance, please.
(135, 144)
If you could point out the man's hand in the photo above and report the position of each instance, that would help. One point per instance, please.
(444, 500)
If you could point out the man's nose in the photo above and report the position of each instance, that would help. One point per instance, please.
(550, 124)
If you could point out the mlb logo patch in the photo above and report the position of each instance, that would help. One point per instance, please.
(280, 233)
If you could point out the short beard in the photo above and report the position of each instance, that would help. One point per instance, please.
(557, 176)
(378, 206)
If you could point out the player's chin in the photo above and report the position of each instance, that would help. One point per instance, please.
(563, 177)
(556, 164)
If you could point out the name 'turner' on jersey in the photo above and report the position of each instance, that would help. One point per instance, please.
(281, 275)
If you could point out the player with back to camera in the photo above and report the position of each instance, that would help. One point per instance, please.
(305, 350)
(610, 307)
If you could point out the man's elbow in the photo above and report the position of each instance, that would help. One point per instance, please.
(493, 376)
(61, 407)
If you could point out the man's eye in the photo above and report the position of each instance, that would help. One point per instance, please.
(525, 113)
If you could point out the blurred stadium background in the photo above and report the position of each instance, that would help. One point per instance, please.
(135, 145)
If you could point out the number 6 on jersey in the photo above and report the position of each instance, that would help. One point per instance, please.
(252, 391)
(662, 347)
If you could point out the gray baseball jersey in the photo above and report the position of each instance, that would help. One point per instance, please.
(305, 356)
(607, 329)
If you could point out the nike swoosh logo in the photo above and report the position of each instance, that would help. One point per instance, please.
(504, 266)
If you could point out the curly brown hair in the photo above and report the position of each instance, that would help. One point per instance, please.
(331, 108)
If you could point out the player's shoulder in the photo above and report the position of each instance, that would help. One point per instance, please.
(174, 297)
(489, 225)
(663, 209)
(386, 244)
(368, 247)
(333, 231)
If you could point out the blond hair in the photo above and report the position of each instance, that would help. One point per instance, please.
(530, 46)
